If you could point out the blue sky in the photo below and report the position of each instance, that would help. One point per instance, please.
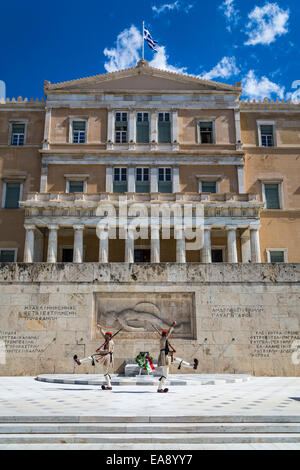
(252, 41)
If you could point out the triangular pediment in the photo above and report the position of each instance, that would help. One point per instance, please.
(141, 78)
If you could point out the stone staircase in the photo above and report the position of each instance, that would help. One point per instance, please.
(145, 432)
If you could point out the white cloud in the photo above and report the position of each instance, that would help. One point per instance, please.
(266, 23)
(224, 69)
(231, 12)
(127, 53)
(260, 88)
(177, 5)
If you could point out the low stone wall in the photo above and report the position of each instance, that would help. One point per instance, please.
(235, 318)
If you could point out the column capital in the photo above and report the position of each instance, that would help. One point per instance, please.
(229, 227)
(53, 227)
(29, 226)
(78, 227)
(255, 228)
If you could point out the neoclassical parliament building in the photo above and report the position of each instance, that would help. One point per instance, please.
(149, 137)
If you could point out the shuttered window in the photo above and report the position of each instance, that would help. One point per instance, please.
(272, 196)
(79, 132)
(120, 180)
(142, 128)
(142, 183)
(12, 196)
(164, 128)
(18, 134)
(206, 132)
(276, 256)
(267, 135)
(76, 186)
(7, 256)
(209, 187)
(165, 184)
(121, 128)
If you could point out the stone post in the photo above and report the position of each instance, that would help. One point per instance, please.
(78, 243)
(29, 244)
(154, 179)
(231, 245)
(129, 246)
(52, 244)
(153, 127)
(103, 246)
(255, 245)
(206, 250)
(155, 245)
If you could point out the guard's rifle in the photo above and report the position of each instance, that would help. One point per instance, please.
(170, 345)
(108, 340)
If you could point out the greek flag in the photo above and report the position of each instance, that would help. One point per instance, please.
(151, 43)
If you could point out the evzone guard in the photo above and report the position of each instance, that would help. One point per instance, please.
(103, 355)
(166, 357)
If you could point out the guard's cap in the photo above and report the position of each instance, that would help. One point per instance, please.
(164, 332)
(109, 333)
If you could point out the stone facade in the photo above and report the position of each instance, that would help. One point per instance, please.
(236, 318)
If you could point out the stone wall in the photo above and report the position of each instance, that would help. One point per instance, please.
(241, 318)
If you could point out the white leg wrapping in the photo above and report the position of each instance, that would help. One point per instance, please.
(107, 378)
(85, 359)
(165, 373)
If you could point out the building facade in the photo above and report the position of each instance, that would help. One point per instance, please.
(110, 147)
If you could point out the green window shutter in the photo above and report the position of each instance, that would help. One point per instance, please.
(277, 256)
(272, 196)
(7, 256)
(209, 187)
(78, 125)
(164, 132)
(142, 132)
(12, 195)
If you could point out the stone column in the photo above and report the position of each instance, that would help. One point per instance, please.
(131, 179)
(44, 178)
(155, 245)
(241, 178)
(78, 243)
(29, 244)
(132, 127)
(109, 179)
(153, 126)
(174, 128)
(110, 126)
(46, 141)
(246, 246)
(238, 133)
(180, 246)
(52, 244)
(175, 179)
(231, 245)
(255, 245)
(129, 246)
(154, 179)
(103, 246)
(206, 250)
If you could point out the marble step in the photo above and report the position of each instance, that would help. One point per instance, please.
(209, 418)
(152, 447)
(149, 428)
(193, 438)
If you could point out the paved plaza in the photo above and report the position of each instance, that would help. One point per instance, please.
(258, 400)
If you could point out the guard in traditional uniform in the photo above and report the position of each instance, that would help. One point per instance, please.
(106, 356)
(166, 357)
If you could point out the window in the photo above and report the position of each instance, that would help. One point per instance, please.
(142, 183)
(11, 195)
(272, 195)
(120, 180)
(17, 133)
(267, 135)
(277, 255)
(121, 128)
(208, 187)
(8, 255)
(79, 132)
(206, 134)
(76, 187)
(165, 180)
(164, 128)
(142, 128)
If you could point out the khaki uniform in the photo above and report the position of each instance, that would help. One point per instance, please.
(107, 359)
(164, 360)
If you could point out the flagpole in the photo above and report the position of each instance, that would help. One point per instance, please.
(143, 39)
